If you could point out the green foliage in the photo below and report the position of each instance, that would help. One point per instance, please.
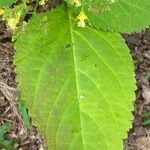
(6, 3)
(24, 113)
(148, 75)
(6, 127)
(146, 117)
(78, 83)
(101, 4)
(14, 15)
(119, 15)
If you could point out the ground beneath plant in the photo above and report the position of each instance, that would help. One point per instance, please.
(29, 139)
(139, 135)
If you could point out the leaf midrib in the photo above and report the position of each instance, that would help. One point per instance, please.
(75, 70)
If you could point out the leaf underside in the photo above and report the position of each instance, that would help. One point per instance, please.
(78, 84)
(121, 16)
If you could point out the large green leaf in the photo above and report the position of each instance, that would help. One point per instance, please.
(6, 2)
(78, 83)
(121, 15)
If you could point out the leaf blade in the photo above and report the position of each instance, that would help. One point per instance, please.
(119, 16)
(73, 101)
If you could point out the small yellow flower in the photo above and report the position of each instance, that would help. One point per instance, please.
(12, 22)
(42, 2)
(1, 11)
(82, 17)
(77, 3)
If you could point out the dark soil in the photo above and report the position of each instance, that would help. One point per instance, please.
(28, 139)
(139, 135)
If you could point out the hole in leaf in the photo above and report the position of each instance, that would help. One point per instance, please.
(68, 46)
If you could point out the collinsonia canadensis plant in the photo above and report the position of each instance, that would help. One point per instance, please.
(75, 72)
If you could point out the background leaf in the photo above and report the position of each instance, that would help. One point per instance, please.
(6, 127)
(4, 143)
(78, 83)
(6, 3)
(121, 15)
(24, 113)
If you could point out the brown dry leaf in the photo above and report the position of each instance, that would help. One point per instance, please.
(146, 94)
(143, 143)
(9, 92)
